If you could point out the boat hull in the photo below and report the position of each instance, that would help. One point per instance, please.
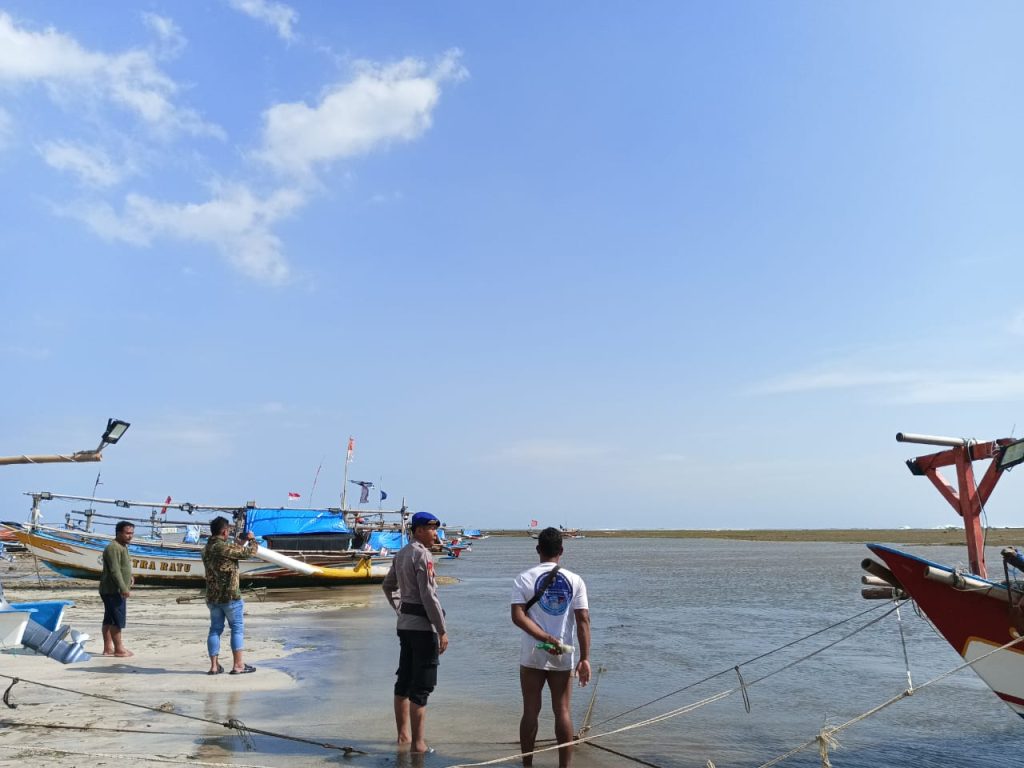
(80, 556)
(12, 627)
(974, 619)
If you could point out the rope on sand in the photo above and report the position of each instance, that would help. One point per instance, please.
(244, 731)
(136, 758)
(825, 739)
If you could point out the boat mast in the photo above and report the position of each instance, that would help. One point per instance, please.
(969, 500)
(344, 482)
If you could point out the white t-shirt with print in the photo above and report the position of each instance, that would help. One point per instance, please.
(554, 613)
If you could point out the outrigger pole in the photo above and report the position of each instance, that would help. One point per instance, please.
(970, 499)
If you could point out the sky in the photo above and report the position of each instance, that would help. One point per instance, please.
(610, 265)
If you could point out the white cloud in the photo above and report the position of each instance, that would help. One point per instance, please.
(811, 381)
(234, 221)
(549, 451)
(910, 387)
(169, 35)
(92, 165)
(29, 353)
(278, 15)
(6, 128)
(131, 80)
(1017, 324)
(382, 104)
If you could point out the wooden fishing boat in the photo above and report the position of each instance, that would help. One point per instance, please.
(300, 547)
(977, 615)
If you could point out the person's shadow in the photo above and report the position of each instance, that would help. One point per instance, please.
(127, 669)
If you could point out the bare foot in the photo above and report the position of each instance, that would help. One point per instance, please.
(123, 654)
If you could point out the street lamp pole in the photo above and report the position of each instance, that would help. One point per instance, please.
(115, 430)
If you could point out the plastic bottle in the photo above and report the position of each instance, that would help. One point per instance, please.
(558, 648)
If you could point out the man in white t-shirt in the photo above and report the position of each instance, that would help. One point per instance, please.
(550, 605)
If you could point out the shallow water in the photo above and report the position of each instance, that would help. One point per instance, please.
(665, 614)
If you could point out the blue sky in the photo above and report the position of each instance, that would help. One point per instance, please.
(673, 265)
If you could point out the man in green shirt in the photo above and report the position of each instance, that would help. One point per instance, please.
(115, 588)
(223, 596)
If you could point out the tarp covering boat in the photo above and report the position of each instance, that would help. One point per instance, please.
(265, 522)
(389, 540)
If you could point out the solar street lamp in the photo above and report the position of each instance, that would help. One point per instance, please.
(114, 432)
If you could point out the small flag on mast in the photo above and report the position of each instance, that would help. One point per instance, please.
(351, 448)
(383, 495)
(292, 496)
(364, 494)
(533, 523)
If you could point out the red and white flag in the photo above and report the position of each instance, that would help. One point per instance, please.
(533, 523)
(351, 448)
(292, 496)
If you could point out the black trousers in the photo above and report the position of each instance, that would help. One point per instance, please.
(417, 665)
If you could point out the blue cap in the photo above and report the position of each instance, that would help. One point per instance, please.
(423, 518)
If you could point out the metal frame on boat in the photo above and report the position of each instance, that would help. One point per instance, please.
(976, 615)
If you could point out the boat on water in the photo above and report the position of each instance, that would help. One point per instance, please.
(976, 614)
(299, 547)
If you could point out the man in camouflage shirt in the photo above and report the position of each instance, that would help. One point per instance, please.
(223, 596)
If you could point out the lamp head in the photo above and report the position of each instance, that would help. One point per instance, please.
(115, 429)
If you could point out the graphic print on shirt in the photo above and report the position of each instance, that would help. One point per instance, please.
(558, 596)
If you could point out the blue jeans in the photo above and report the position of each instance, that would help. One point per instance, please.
(218, 613)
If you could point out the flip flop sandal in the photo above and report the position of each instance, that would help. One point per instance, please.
(218, 671)
(243, 671)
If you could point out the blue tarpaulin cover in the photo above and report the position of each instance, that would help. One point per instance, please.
(279, 522)
(391, 540)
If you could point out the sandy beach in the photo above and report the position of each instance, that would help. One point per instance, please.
(167, 671)
(289, 693)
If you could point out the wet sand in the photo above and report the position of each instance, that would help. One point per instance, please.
(324, 659)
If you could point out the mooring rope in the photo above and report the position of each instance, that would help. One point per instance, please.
(903, 642)
(586, 739)
(825, 739)
(687, 708)
(623, 755)
(244, 731)
(741, 664)
(590, 708)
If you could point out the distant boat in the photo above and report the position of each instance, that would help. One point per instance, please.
(975, 614)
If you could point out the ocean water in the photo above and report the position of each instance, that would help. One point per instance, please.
(665, 614)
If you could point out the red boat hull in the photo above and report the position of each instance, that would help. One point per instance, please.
(971, 620)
